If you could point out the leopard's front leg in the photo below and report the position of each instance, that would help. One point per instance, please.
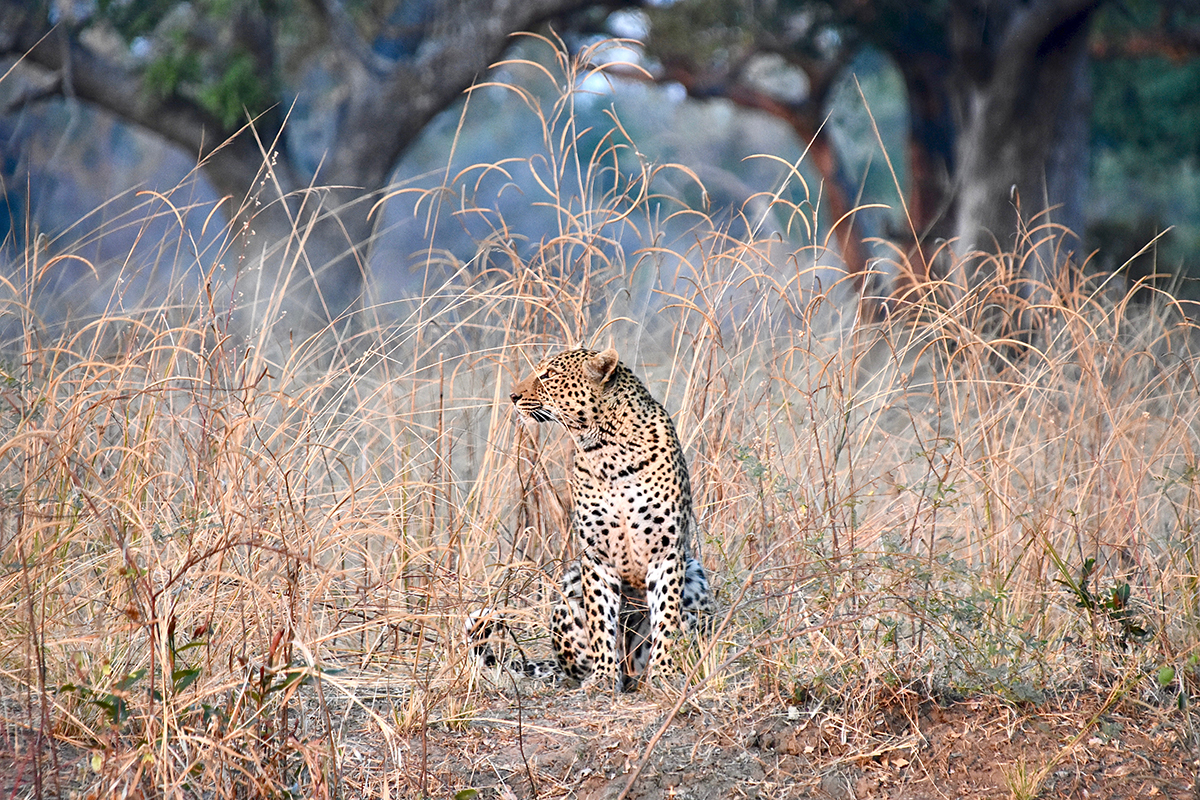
(568, 627)
(664, 593)
(601, 604)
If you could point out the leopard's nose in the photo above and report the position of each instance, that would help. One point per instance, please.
(514, 397)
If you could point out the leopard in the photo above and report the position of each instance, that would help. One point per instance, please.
(636, 587)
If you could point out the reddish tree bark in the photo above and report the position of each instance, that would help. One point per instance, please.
(805, 120)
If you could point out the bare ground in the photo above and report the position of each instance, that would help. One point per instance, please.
(558, 743)
(566, 744)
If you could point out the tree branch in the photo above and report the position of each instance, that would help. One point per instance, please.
(457, 46)
(1032, 25)
(334, 14)
(804, 118)
(120, 91)
(1175, 45)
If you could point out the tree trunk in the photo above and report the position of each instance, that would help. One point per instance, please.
(1022, 148)
(931, 135)
(930, 205)
(313, 244)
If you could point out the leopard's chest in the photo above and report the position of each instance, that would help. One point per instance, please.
(632, 506)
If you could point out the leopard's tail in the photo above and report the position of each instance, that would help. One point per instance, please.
(487, 632)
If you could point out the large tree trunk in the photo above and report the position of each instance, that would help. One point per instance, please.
(931, 135)
(1022, 148)
(314, 245)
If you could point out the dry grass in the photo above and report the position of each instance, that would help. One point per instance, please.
(226, 547)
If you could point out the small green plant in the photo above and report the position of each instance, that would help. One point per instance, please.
(122, 698)
(112, 700)
(1023, 782)
(1111, 604)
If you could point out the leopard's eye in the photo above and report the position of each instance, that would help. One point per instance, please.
(549, 372)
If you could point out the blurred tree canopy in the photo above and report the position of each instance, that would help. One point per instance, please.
(1146, 79)
(999, 98)
(999, 93)
(193, 72)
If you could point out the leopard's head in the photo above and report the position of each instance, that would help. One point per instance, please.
(567, 388)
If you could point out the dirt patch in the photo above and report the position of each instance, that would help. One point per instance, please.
(565, 744)
(570, 745)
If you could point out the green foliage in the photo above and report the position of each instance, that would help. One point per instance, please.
(134, 19)
(1166, 676)
(1112, 604)
(118, 698)
(202, 50)
(703, 30)
(718, 31)
(114, 701)
(238, 91)
(1149, 105)
(128, 700)
(167, 73)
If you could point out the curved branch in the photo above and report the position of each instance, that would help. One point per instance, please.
(1175, 45)
(230, 164)
(386, 112)
(806, 120)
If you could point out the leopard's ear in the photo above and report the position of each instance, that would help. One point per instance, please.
(600, 366)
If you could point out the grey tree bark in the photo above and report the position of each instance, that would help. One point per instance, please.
(1023, 101)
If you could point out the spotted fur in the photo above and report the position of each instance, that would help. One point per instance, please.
(493, 642)
(631, 518)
